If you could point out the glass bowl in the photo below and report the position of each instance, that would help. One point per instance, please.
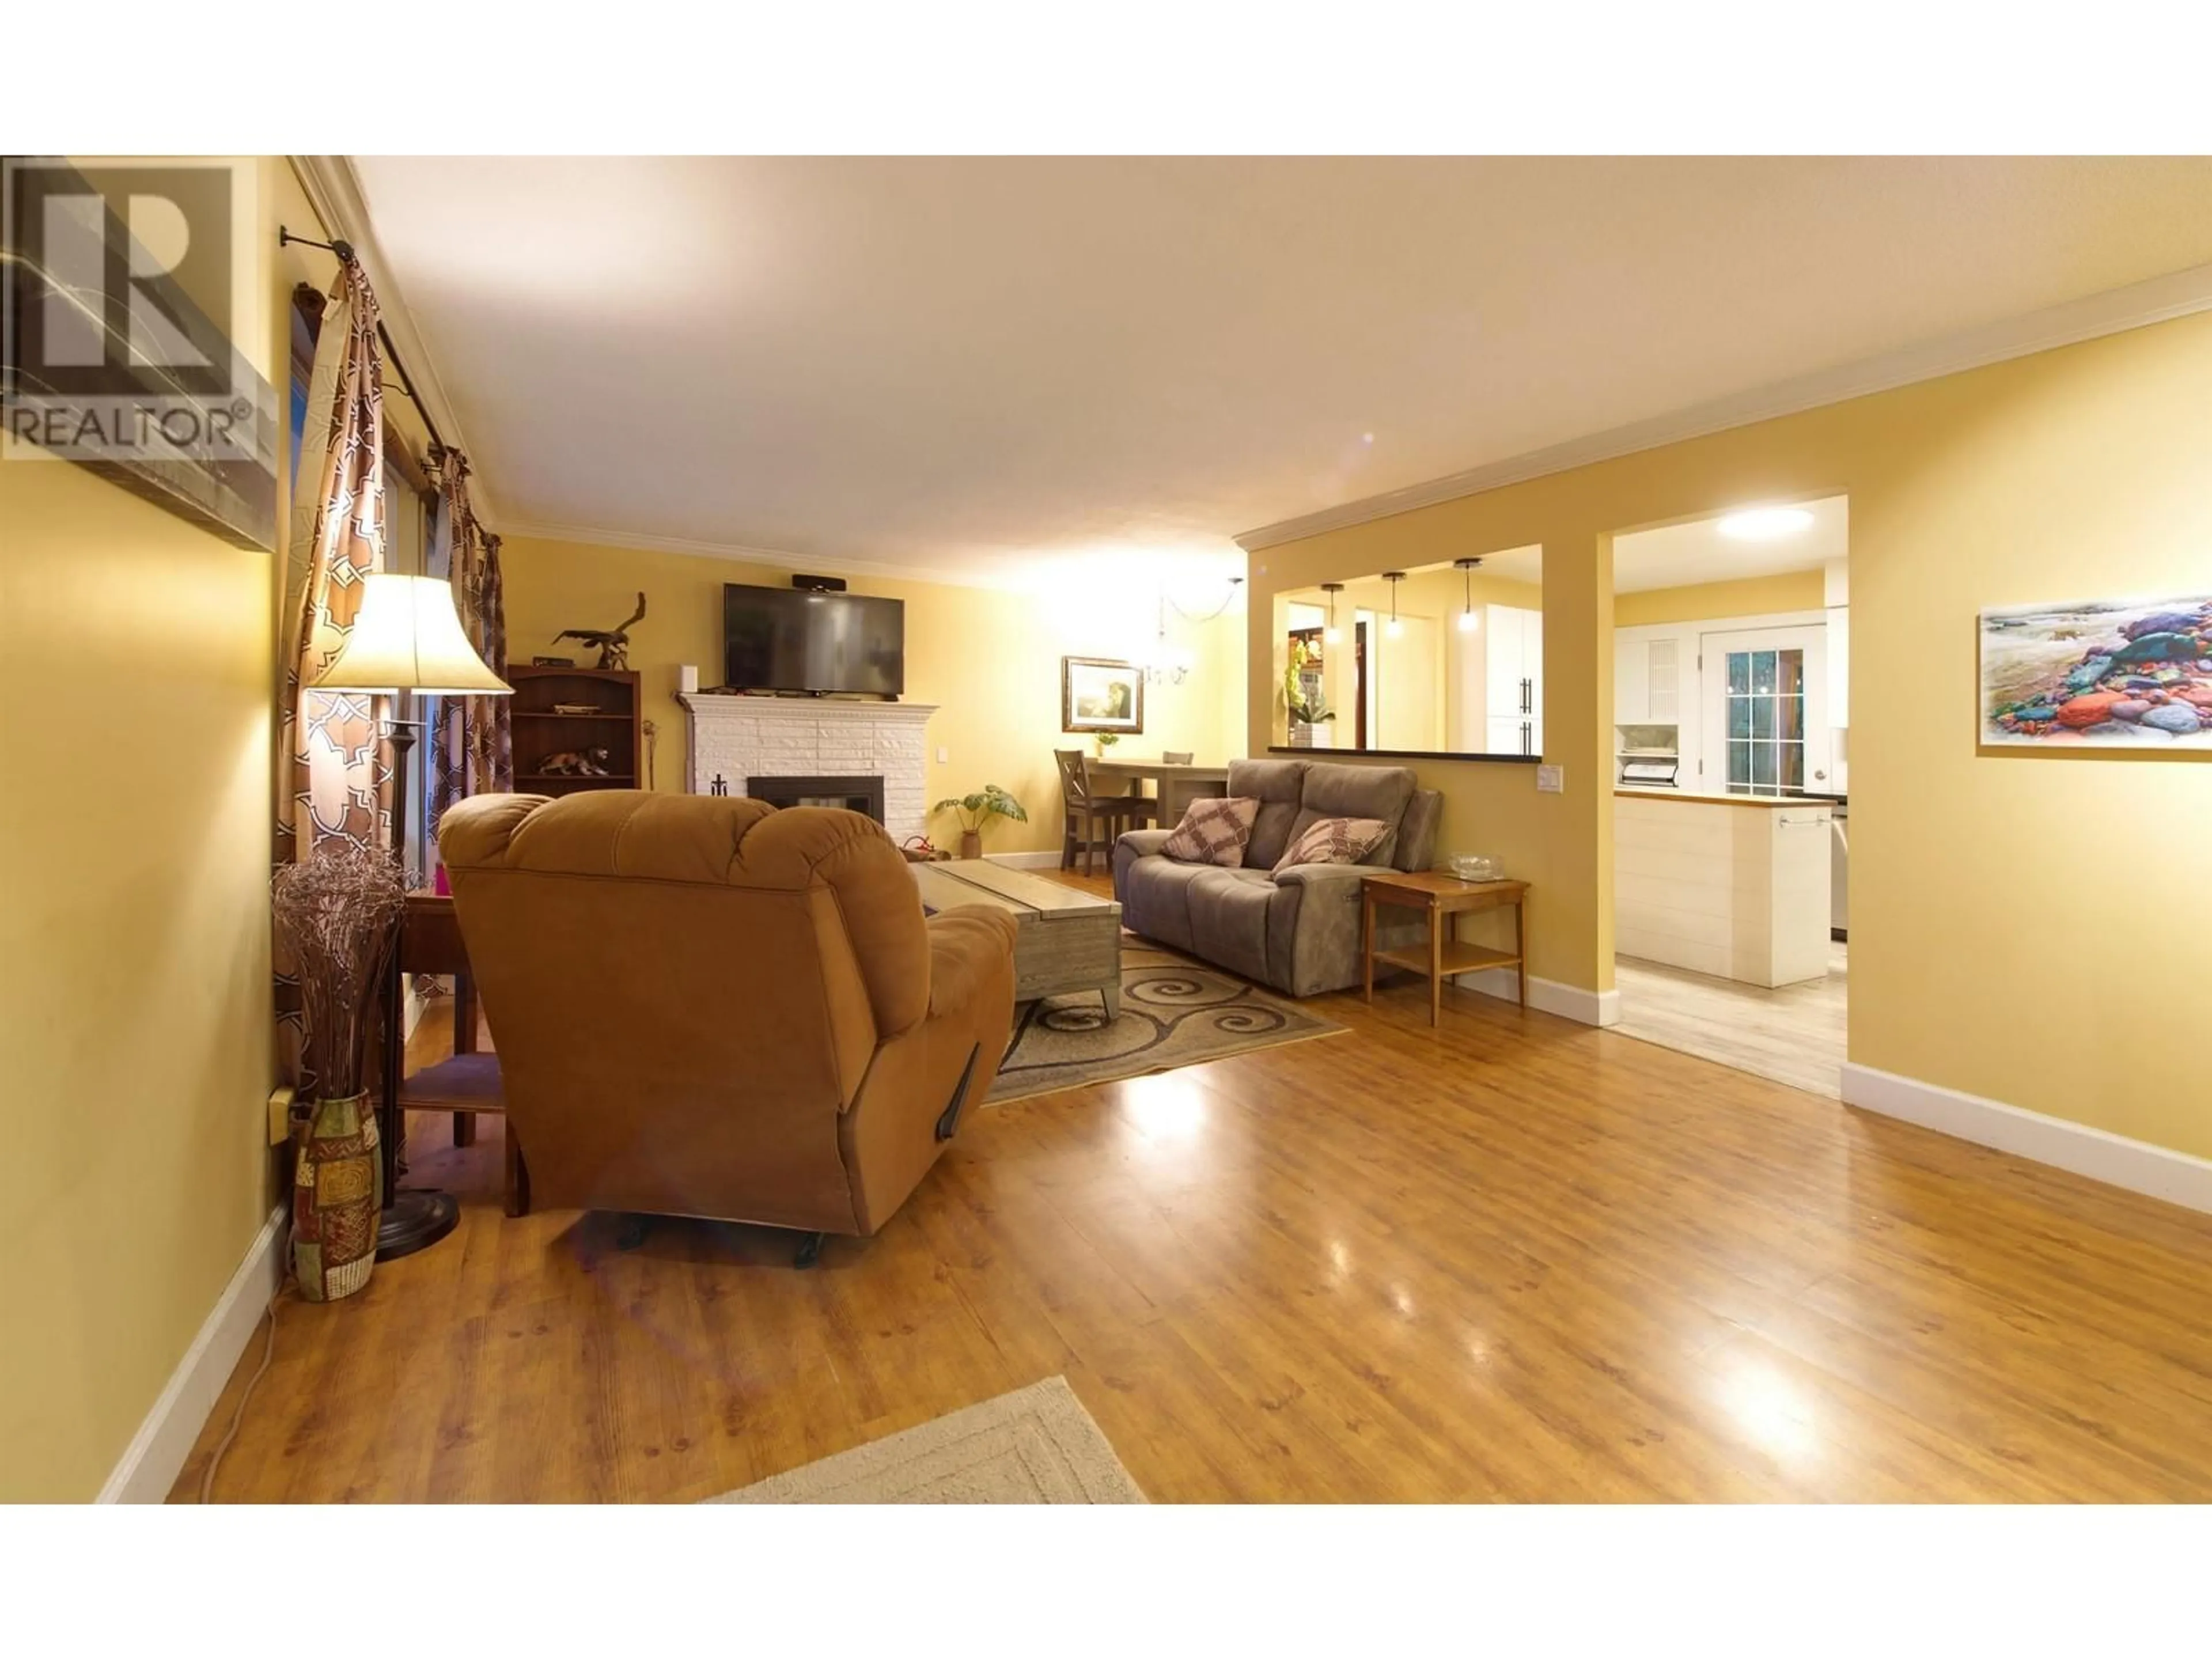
(1477, 866)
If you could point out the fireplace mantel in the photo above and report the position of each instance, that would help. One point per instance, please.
(740, 737)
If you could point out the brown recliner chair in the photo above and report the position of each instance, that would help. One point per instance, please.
(705, 1006)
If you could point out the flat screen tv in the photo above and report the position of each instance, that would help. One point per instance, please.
(785, 638)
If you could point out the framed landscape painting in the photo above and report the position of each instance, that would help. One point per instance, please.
(2123, 673)
(1099, 693)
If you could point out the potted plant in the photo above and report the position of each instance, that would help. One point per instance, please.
(1304, 702)
(1104, 740)
(337, 917)
(976, 810)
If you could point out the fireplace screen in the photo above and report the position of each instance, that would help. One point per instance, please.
(856, 794)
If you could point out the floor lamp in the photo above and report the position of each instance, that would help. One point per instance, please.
(406, 638)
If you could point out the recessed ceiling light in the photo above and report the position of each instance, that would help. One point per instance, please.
(1766, 524)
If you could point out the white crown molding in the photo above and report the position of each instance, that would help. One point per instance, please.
(2160, 300)
(2136, 1165)
(333, 190)
(739, 552)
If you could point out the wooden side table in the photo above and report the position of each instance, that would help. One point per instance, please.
(469, 1083)
(1442, 895)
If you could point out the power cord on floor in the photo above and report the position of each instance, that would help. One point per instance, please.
(238, 1417)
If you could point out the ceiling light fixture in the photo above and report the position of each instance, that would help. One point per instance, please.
(1765, 524)
(1165, 662)
(1330, 633)
(1469, 622)
(1394, 628)
(1172, 663)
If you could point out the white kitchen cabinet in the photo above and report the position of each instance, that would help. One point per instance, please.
(1662, 682)
(1513, 672)
(1839, 665)
(1631, 693)
(1652, 674)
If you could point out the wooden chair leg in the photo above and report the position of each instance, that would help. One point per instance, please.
(464, 1129)
(517, 1175)
(1067, 841)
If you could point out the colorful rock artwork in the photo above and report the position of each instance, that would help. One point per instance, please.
(2136, 673)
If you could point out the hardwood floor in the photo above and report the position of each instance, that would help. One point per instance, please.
(1510, 1257)
(1793, 1034)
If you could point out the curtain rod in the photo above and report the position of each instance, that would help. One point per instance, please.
(343, 249)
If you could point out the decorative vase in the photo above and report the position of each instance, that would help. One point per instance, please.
(971, 843)
(337, 1195)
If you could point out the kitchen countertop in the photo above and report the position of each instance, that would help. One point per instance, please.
(1767, 801)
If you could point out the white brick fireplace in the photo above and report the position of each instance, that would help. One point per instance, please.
(738, 739)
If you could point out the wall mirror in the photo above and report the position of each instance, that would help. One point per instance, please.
(1439, 658)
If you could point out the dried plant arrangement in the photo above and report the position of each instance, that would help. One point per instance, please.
(337, 913)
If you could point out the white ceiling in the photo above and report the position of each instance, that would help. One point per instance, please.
(981, 366)
(1680, 554)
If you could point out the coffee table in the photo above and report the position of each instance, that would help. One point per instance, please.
(1066, 941)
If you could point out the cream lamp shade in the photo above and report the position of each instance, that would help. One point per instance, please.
(407, 637)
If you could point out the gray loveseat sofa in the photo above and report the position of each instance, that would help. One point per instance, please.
(1298, 929)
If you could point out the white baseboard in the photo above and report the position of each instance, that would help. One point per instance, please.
(2136, 1165)
(1040, 860)
(1568, 1002)
(157, 1452)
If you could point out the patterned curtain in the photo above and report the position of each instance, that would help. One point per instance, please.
(333, 777)
(471, 749)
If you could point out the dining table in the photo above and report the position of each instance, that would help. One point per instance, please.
(1174, 783)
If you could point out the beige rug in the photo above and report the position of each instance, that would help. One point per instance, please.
(1036, 1445)
(1174, 1013)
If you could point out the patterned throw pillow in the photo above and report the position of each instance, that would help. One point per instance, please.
(1213, 831)
(1334, 841)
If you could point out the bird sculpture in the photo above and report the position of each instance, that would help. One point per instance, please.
(613, 642)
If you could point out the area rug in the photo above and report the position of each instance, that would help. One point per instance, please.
(1174, 1013)
(1036, 1445)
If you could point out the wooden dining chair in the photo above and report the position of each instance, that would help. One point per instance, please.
(1086, 811)
(1176, 757)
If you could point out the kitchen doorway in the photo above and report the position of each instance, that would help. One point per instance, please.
(1731, 665)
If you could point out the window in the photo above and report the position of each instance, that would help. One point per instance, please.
(1765, 722)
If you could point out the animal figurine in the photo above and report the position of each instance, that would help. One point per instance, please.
(613, 642)
(576, 763)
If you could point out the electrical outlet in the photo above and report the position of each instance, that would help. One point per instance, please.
(944, 756)
(280, 1117)
(1551, 780)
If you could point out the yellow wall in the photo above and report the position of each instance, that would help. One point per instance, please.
(1753, 596)
(2016, 919)
(137, 658)
(990, 661)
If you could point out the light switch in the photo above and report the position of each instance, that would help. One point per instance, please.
(1551, 780)
(944, 756)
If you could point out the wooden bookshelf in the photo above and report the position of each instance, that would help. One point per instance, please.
(617, 725)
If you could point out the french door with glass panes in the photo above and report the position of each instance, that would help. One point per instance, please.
(1766, 714)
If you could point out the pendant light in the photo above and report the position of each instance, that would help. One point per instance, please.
(1394, 628)
(1171, 662)
(1469, 622)
(1331, 634)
